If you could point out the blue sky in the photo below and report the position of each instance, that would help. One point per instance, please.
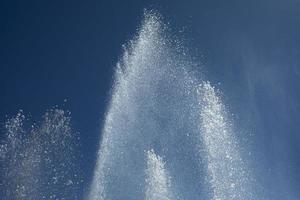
(56, 50)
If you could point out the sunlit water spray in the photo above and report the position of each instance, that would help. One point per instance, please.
(158, 182)
(166, 135)
(158, 103)
(40, 162)
(228, 176)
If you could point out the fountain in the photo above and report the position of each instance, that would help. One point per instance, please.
(159, 104)
(167, 135)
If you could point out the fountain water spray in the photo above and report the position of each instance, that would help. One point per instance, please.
(158, 181)
(40, 162)
(228, 176)
(159, 103)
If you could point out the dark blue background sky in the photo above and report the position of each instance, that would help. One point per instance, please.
(56, 50)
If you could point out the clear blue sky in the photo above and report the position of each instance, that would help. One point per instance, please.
(56, 50)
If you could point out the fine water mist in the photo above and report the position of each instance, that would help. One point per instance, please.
(163, 106)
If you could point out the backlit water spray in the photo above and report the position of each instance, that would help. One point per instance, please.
(160, 106)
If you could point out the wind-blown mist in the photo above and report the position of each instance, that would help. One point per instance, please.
(160, 106)
(39, 162)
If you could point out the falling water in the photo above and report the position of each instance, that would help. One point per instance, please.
(39, 162)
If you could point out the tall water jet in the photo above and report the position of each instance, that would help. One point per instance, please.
(127, 129)
(158, 182)
(157, 103)
(40, 162)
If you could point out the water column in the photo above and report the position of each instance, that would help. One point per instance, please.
(128, 126)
